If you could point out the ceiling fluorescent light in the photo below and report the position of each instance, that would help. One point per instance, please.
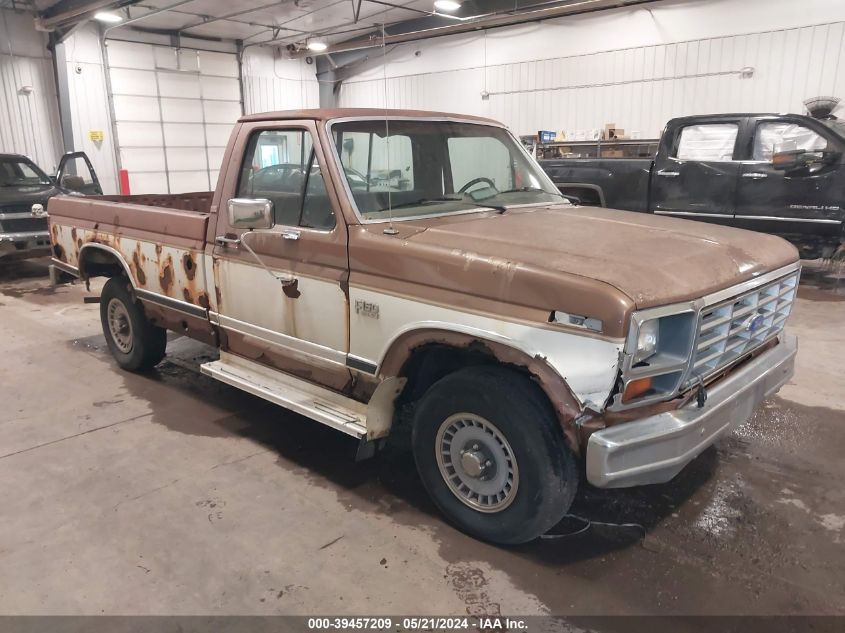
(104, 16)
(318, 46)
(447, 5)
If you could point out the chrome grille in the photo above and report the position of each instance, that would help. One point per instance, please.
(732, 328)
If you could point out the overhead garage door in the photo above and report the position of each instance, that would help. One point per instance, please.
(173, 111)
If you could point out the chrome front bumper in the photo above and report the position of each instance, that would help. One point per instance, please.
(27, 244)
(655, 449)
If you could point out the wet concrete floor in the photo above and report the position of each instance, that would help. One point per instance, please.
(172, 493)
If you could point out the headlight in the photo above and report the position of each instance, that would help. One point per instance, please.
(647, 340)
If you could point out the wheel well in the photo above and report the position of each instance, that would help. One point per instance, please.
(97, 262)
(431, 362)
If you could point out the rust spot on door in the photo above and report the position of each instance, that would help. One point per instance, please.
(73, 233)
(189, 266)
(165, 277)
(137, 268)
(59, 252)
(202, 300)
(187, 294)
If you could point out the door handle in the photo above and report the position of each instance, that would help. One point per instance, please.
(668, 174)
(290, 235)
(755, 175)
(222, 240)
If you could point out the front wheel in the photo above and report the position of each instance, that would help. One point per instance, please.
(135, 343)
(492, 456)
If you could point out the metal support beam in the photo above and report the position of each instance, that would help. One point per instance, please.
(473, 24)
(62, 93)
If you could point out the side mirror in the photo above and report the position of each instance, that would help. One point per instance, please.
(801, 159)
(787, 161)
(248, 213)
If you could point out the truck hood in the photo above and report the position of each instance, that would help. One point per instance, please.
(654, 260)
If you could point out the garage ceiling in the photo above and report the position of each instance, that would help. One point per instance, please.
(283, 22)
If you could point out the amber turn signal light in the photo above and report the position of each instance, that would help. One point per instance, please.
(636, 388)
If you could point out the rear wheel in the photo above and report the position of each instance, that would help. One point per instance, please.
(492, 456)
(135, 343)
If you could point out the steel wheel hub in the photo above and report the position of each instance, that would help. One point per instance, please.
(120, 326)
(476, 462)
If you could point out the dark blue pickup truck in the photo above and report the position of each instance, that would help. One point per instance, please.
(776, 173)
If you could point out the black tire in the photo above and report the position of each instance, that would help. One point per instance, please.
(512, 405)
(142, 344)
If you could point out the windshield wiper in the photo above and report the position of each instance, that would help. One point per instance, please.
(423, 201)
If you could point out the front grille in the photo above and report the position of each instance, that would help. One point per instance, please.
(22, 224)
(730, 329)
(20, 207)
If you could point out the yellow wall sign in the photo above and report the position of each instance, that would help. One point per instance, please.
(95, 135)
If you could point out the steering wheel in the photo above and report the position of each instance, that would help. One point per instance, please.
(475, 181)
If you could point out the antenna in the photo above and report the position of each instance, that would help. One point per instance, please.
(390, 230)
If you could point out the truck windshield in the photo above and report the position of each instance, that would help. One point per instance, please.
(404, 169)
(18, 172)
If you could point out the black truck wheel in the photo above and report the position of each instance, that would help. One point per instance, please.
(135, 343)
(492, 456)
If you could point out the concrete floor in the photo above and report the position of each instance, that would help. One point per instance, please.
(173, 494)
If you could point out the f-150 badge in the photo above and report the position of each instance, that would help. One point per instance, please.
(367, 309)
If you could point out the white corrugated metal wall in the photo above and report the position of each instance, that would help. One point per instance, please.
(89, 103)
(173, 112)
(274, 83)
(639, 87)
(29, 119)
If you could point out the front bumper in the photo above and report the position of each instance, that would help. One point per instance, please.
(655, 449)
(29, 244)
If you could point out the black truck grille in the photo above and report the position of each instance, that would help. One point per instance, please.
(22, 224)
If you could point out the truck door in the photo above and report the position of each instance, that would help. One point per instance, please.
(284, 303)
(694, 173)
(76, 174)
(804, 203)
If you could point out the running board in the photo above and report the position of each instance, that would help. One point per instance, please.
(317, 403)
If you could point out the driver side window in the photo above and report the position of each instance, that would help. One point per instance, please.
(275, 167)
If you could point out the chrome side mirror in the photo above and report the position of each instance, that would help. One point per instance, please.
(248, 213)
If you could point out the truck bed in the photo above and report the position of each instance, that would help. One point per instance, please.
(160, 238)
(623, 182)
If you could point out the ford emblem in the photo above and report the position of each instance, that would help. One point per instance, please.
(755, 323)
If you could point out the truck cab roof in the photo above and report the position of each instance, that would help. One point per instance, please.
(326, 114)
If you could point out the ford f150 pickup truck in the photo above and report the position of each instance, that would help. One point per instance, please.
(779, 174)
(24, 191)
(355, 263)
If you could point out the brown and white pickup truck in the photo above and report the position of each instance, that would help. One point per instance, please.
(352, 263)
